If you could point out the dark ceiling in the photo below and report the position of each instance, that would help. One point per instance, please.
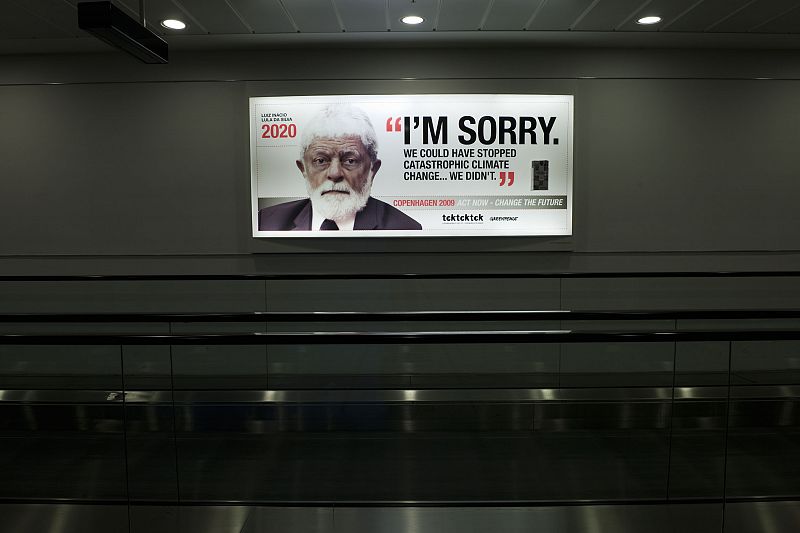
(51, 25)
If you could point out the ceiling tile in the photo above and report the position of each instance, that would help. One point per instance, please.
(313, 16)
(755, 14)
(787, 23)
(559, 14)
(511, 14)
(427, 9)
(358, 15)
(215, 17)
(461, 15)
(705, 14)
(264, 16)
(41, 18)
(666, 9)
(608, 14)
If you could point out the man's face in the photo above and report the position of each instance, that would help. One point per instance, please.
(341, 160)
(338, 172)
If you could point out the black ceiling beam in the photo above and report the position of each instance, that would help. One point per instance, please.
(110, 24)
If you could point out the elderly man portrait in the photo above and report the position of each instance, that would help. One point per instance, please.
(338, 162)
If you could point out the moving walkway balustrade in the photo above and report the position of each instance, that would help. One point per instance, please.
(604, 419)
(595, 397)
(480, 418)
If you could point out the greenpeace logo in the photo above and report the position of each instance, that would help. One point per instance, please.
(503, 219)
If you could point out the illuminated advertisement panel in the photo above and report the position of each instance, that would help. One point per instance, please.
(411, 165)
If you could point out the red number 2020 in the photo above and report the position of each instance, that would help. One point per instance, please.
(278, 131)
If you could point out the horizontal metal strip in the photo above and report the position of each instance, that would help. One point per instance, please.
(418, 337)
(408, 316)
(154, 397)
(773, 498)
(185, 504)
(67, 502)
(62, 396)
(352, 504)
(407, 275)
(386, 395)
(626, 394)
(616, 394)
(446, 503)
(764, 392)
(659, 394)
(719, 393)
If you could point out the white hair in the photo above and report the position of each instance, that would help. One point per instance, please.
(340, 120)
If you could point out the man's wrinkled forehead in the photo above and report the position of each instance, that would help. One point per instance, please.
(348, 143)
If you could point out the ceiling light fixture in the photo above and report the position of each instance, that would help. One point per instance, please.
(412, 19)
(173, 24)
(649, 20)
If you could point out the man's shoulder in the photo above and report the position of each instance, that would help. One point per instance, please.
(392, 218)
(280, 217)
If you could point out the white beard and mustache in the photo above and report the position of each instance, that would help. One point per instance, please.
(338, 206)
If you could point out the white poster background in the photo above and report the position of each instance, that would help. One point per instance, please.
(275, 177)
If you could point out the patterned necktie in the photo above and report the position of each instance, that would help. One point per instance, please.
(328, 224)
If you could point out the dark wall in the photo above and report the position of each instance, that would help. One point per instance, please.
(679, 153)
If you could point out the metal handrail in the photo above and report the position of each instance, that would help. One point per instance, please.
(405, 275)
(418, 337)
(407, 316)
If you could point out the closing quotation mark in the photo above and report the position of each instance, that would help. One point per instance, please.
(503, 178)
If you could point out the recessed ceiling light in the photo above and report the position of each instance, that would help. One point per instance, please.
(173, 24)
(649, 20)
(412, 19)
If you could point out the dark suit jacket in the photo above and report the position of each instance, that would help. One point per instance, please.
(294, 216)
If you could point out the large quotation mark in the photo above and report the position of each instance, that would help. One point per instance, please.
(503, 178)
(397, 126)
